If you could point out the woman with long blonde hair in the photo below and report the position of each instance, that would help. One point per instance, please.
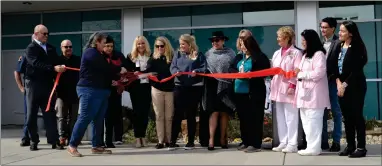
(188, 88)
(162, 93)
(140, 90)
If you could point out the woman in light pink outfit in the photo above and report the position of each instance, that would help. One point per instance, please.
(312, 94)
(283, 91)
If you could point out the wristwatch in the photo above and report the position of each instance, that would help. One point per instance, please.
(344, 84)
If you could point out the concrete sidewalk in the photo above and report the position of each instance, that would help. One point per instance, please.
(13, 154)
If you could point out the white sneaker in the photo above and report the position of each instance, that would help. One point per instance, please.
(308, 153)
(279, 148)
(119, 143)
(144, 142)
(138, 144)
(290, 149)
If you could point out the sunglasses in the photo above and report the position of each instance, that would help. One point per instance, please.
(45, 34)
(67, 47)
(159, 46)
(215, 40)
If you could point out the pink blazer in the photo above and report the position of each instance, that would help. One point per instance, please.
(279, 84)
(312, 91)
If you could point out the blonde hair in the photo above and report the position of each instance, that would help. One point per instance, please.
(191, 41)
(238, 44)
(134, 50)
(287, 32)
(168, 50)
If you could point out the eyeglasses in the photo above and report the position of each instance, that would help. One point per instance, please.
(67, 47)
(159, 46)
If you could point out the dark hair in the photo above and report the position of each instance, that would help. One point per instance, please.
(356, 39)
(93, 39)
(332, 22)
(313, 43)
(109, 39)
(251, 45)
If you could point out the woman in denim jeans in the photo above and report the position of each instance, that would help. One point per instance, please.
(93, 89)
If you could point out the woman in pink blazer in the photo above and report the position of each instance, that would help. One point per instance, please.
(312, 94)
(283, 91)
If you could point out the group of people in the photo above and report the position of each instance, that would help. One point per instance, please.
(328, 76)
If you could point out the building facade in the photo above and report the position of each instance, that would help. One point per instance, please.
(127, 20)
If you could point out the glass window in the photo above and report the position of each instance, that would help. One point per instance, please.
(204, 44)
(378, 9)
(379, 47)
(56, 40)
(116, 36)
(164, 17)
(267, 38)
(68, 21)
(380, 100)
(268, 13)
(352, 10)
(15, 43)
(19, 24)
(171, 35)
(224, 14)
(101, 20)
(371, 101)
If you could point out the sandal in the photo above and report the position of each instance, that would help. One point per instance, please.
(74, 152)
(100, 150)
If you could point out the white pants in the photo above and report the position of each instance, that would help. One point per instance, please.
(287, 123)
(312, 120)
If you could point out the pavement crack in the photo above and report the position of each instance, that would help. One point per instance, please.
(284, 158)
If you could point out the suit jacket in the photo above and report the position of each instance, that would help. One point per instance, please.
(40, 64)
(353, 64)
(331, 60)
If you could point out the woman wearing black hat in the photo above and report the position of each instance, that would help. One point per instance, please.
(216, 100)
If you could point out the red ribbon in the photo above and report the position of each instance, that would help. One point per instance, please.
(131, 76)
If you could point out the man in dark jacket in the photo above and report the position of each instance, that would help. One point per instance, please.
(67, 100)
(42, 66)
(330, 42)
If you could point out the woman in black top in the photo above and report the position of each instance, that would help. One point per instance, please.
(351, 85)
(113, 117)
(162, 93)
(250, 94)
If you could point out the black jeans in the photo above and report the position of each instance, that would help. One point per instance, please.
(141, 100)
(186, 101)
(352, 110)
(113, 118)
(37, 95)
(251, 115)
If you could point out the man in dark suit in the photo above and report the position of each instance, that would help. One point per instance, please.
(67, 100)
(331, 42)
(42, 66)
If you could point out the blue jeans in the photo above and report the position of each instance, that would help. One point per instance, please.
(337, 117)
(25, 127)
(93, 106)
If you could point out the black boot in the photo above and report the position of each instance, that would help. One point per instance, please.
(335, 147)
(360, 152)
(33, 147)
(346, 152)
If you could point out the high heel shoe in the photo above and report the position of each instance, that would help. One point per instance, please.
(211, 147)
